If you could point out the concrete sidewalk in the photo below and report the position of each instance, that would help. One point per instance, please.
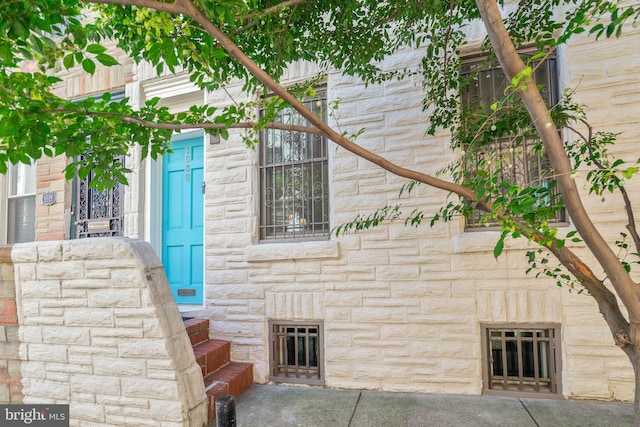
(283, 406)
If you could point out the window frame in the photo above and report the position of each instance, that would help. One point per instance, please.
(517, 391)
(8, 196)
(297, 374)
(477, 62)
(85, 224)
(298, 228)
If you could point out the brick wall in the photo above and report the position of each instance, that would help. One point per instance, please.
(10, 385)
(52, 222)
(99, 330)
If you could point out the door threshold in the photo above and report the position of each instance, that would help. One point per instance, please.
(192, 311)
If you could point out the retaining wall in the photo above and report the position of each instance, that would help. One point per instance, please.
(100, 331)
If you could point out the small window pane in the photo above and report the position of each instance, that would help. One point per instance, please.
(21, 219)
(21, 203)
(23, 180)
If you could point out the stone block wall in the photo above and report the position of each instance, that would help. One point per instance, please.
(99, 330)
(402, 307)
(10, 378)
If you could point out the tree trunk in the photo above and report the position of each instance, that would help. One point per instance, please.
(633, 352)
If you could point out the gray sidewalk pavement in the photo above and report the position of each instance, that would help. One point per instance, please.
(288, 406)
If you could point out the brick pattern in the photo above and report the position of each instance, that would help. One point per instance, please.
(197, 329)
(212, 355)
(100, 331)
(52, 221)
(221, 376)
(10, 377)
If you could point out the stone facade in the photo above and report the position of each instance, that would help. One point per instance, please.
(100, 331)
(10, 377)
(402, 308)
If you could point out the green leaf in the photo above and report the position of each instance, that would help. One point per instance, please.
(88, 65)
(106, 60)
(497, 250)
(96, 49)
(629, 172)
(68, 61)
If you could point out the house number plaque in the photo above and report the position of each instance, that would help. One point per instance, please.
(48, 198)
(187, 165)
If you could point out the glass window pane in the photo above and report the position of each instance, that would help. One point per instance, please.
(543, 359)
(528, 368)
(528, 358)
(512, 358)
(23, 180)
(294, 195)
(21, 219)
(520, 162)
(496, 354)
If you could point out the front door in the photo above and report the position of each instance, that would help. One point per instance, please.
(182, 219)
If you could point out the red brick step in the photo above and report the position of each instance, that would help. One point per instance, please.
(221, 375)
(211, 355)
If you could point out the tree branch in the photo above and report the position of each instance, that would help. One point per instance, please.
(512, 64)
(606, 300)
(234, 51)
(275, 8)
(188, 8)
(631, 224)
(184, 126)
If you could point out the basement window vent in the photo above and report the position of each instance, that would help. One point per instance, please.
(522, 359)
(296, 352)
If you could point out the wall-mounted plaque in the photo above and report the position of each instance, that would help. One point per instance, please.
(49, 198)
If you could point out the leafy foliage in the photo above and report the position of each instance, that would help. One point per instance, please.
(41, 36)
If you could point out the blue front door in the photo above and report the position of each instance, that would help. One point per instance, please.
(182, 219)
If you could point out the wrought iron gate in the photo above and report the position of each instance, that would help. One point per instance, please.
(97, 213)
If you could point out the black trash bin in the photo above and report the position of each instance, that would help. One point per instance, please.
(226, 411)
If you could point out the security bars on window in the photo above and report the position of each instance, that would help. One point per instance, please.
(293, 177)
(522, 360)
(518, 161)
(296, 353)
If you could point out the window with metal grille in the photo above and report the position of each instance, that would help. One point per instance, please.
(296, 352)
(294, 192)
(98, 213)
(522, 360)
(514, 158)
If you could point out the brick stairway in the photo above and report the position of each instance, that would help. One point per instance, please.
(221, 376)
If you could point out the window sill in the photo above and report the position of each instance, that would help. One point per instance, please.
(484, 240)
(292, 251)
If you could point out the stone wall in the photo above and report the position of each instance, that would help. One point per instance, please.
(10, 378)
(99, 330)
(402, 308)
